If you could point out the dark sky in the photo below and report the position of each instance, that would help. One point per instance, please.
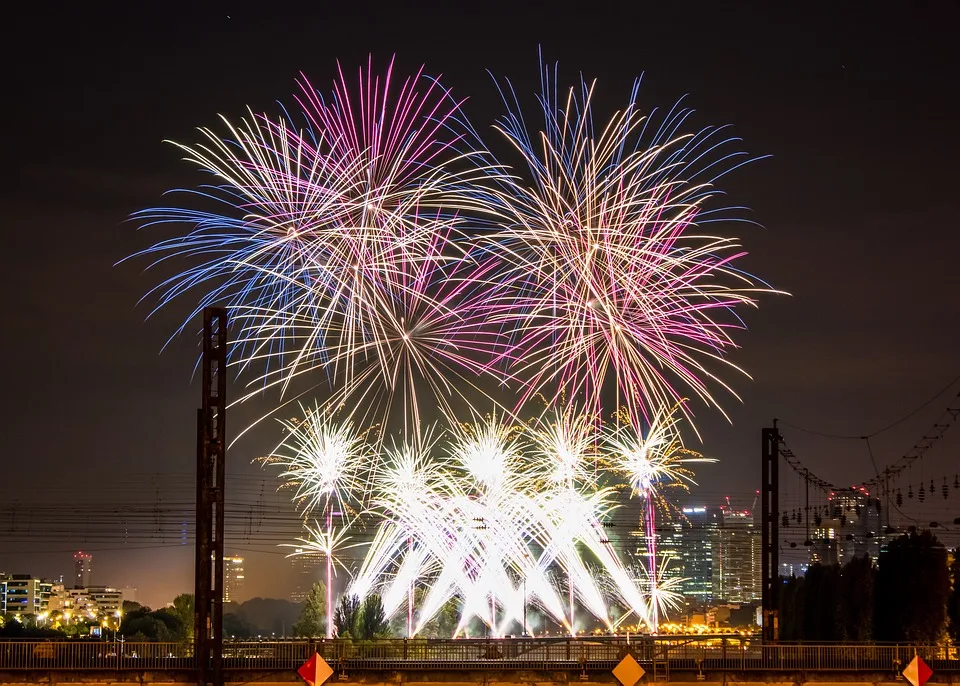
(856, 105)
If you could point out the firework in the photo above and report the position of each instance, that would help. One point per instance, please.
(491, 513)
(348, 241)
(330, 234)
(653, 460)
(652, 463)
(324, 462)
(615, 285)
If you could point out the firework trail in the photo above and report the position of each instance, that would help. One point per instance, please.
(325, 462)
(492, 516)
(331, 237)
(614, 283)
(652, 463)
(349, 243)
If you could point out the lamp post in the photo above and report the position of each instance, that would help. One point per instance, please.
(524, 632)
(526, 570)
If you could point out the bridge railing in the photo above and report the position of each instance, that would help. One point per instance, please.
(93, 655)
(729, 655)
(694, 653)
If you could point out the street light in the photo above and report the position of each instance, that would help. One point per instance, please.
(524, 627)
(524, 632)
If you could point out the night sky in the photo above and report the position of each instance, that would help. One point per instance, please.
(858, 207)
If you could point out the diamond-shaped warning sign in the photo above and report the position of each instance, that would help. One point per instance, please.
(917, 672)
(316, 670)
(628, 671)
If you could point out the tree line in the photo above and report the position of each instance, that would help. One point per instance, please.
(352, 618)
(910, 595)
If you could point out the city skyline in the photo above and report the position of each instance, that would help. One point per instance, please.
(860, 343)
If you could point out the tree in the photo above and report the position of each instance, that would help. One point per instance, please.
(953, 606)
(183, 610)
(130, 606)
(313, 617)
(857, 599)
(790, 606)
(912, 590)
(372, 622)
(444, 623)
(146, 625)
(234, 626)
(269, 615)
(346, 616)
(820, 596)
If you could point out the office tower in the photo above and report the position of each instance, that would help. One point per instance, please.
(736, 555)
(82, 565)
(308, 568)
(847, 527)
(685, 549)
(699, 531)
(233, 577)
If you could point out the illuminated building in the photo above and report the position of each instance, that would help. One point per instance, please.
(736, 569)
(95, 600)
(698, 538)
(687, 547)
(23, 594)
(849, 528)
(233, 577)
(105, 600)
(308, 570)
(82, 565)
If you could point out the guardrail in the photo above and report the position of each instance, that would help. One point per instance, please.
(692, 653)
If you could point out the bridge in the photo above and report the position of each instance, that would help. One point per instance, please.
(704, 660)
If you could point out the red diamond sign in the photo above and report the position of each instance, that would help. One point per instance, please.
(917, 672)
(315, 670)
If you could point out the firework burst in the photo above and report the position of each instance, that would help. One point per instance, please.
(348, 243)
(329, 236)
(614, 282)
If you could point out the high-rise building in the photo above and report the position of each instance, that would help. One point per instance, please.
(699, 532)
(307, 569)
(847, 527)
(233, 577)
(684, 550)
(736, 558)
(713, 552)
(82, 565)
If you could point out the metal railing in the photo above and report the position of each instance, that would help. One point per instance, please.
(703, 654)
(89, 654)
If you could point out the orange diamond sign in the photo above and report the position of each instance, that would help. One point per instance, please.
(628, 671)
(316, 670)
(917, 672)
